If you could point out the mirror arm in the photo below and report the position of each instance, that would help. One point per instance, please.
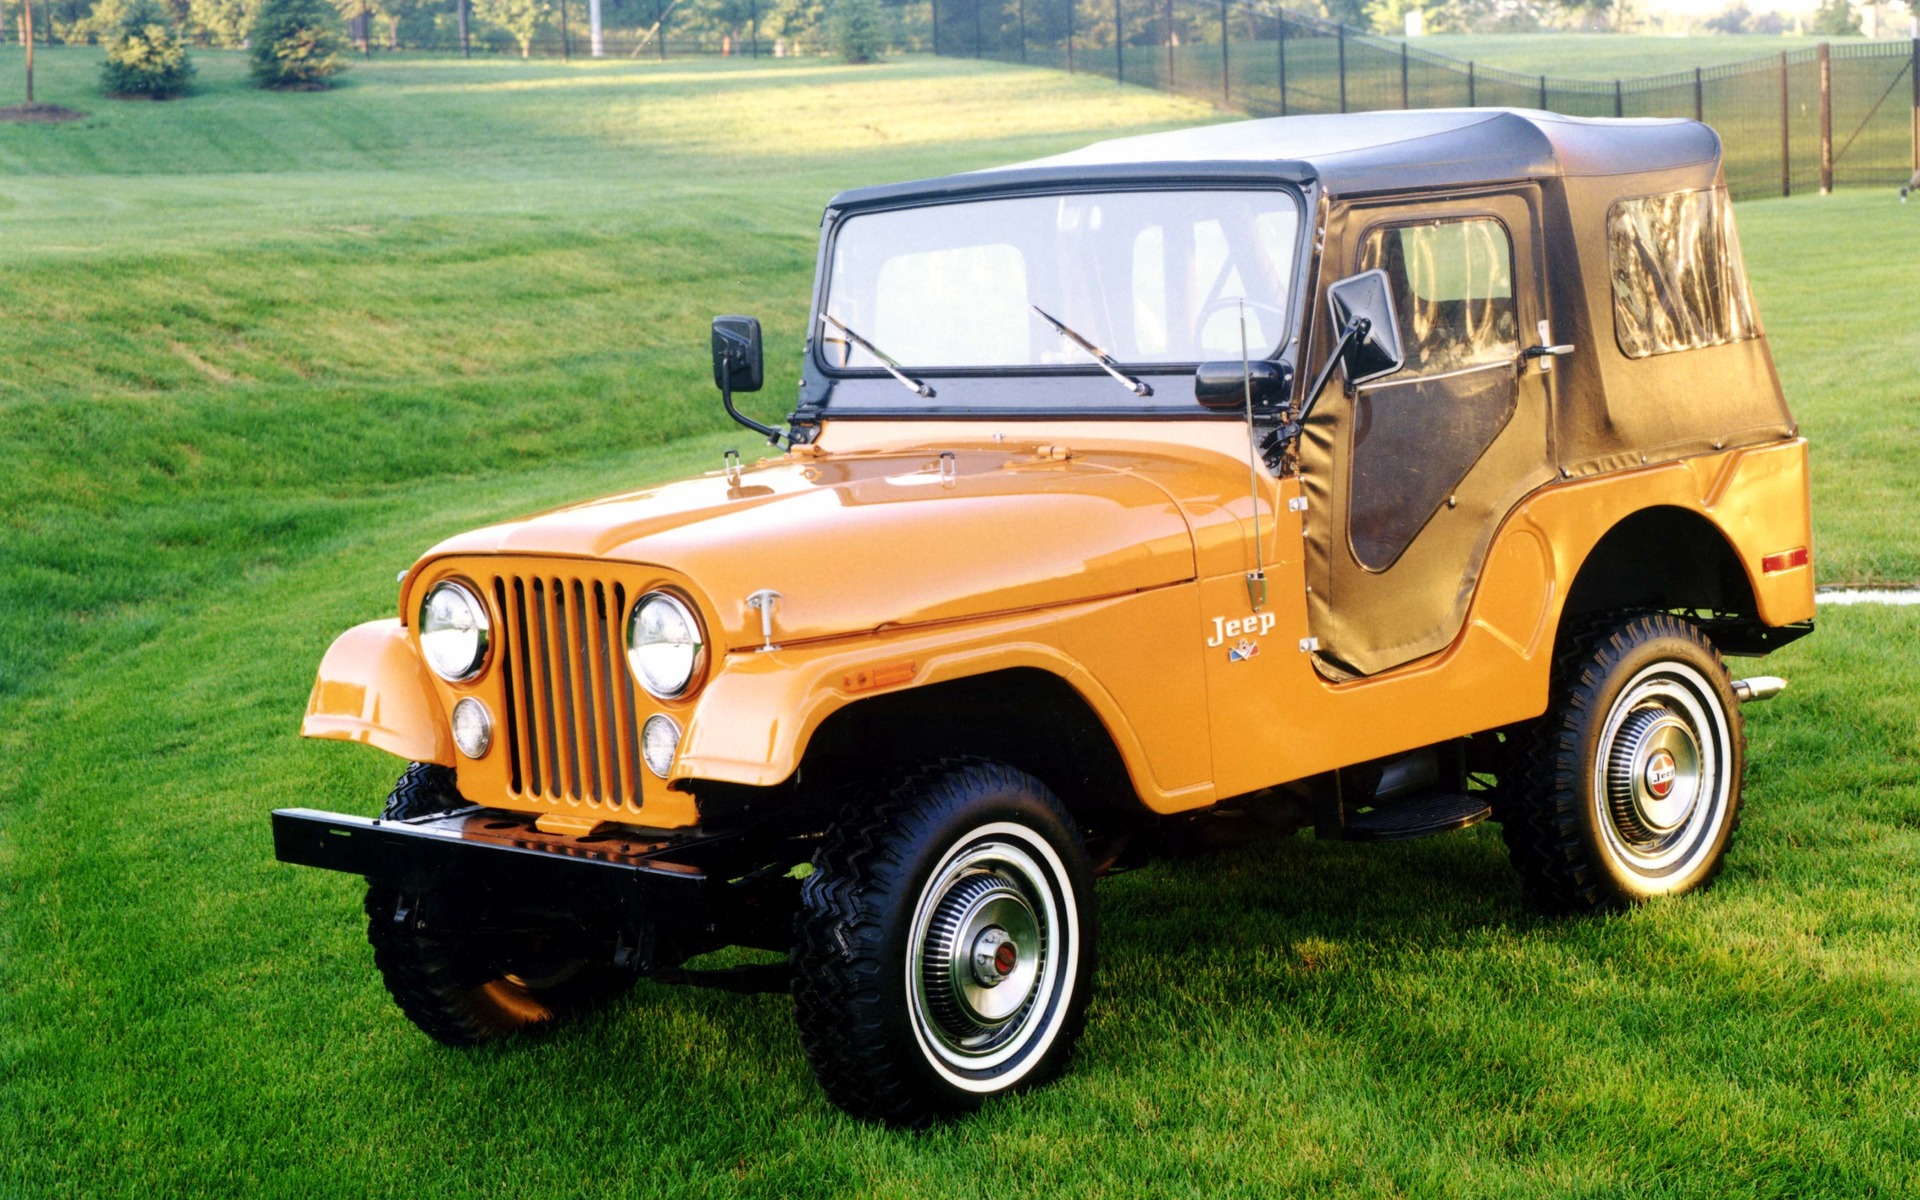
(1358, 327)
(772, 435)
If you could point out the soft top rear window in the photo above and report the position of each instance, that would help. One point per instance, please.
(1678, 280)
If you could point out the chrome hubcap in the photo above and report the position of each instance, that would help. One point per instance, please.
(988, 960)
(1661, 775)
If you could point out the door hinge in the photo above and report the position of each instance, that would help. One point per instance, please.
(1309, 645)
(1297, 504)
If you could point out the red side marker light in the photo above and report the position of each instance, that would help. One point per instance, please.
(1784, 560)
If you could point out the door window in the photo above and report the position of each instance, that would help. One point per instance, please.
(1417, 433)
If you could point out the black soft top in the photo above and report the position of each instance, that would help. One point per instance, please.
(1355, 153)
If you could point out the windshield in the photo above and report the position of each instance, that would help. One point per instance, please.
(1147, 277)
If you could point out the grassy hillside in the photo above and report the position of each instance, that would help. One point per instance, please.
(257, 351)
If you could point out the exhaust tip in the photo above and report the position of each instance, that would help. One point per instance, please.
(1760, 687)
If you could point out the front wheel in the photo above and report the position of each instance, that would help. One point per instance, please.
(945, 944)
(1631, 784)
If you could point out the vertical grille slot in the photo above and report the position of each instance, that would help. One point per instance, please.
(572, 736)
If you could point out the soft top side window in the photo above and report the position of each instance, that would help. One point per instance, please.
(1453, 288)
(1678, 280)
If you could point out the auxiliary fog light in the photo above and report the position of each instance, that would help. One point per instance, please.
(659, 742)
(472, 728)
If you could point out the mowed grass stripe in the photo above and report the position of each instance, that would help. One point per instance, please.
(235, 400)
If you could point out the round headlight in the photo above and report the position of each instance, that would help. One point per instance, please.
(453, 632)
(664, 645)
(659, 742)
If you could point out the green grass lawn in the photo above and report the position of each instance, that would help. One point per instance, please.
(1608, 56)
(257, 351)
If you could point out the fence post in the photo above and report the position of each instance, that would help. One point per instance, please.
(1071, 5)
(1281, 41)
(1913, 73)
(1119, 46)
(1403, 76)
(1226, 64)
(1473, 87)
(1543, 94)
(1023, 29)
(1343, 68)
(1786, 140)
(1170, 45)
(1699, 95)
(1619, 99)
(935, 22)
(1826, 117)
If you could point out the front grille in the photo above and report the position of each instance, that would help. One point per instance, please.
(571, 733)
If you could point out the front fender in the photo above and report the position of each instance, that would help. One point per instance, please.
(373, 688)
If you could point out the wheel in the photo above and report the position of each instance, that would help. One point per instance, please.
(463, 969)
(945, 944)
(1630, 786)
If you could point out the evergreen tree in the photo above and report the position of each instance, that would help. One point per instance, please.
(859, 30)
(145, 54)
(296, 44)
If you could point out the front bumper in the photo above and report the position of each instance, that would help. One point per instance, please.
(693, 893)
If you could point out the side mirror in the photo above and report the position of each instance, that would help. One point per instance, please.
(1222, 386)
(1376, 351)
(737, 362)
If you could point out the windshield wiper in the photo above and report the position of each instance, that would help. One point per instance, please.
(1100, 356)
(893, 368)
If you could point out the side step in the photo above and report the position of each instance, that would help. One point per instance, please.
(1414, 817)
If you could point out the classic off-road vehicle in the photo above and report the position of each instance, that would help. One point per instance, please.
(1378, 473)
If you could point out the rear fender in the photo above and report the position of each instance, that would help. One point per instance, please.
(373, 688)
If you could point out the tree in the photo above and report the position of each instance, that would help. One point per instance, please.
(145, 54)
(1731, 19)
(519, 19)
(296, 44)
(1835, 18)
(858, 29)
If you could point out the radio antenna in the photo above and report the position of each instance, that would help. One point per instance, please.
(1256, 578)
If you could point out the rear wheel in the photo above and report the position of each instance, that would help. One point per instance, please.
(946, 944)
(463, 968)
(1631, 784)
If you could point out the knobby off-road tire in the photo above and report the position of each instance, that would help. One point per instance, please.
(945, 944)
(464, 988)
(1630, 786)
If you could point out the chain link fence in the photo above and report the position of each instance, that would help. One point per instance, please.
(1815, 118)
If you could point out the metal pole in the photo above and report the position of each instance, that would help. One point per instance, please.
(1786, 141)
(1619, 99)
(1226, 71)
(1282, 41)
(1543, 93)
(1403, 76)
(1169, 45)
(1343, 68)
(1826, 118)
(1473, 87)
(1071, 5)
(1699, 95)
(1119, 46)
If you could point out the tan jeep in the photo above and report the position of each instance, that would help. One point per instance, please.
(1381, 473)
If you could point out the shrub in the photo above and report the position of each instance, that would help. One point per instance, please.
(145, 55)
(859, 30)
(296, 44)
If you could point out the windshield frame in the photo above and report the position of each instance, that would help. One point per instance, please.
(1189, 178)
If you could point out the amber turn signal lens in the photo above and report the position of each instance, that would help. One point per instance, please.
(1785, 560)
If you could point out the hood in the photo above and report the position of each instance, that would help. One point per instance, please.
(856, 542)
